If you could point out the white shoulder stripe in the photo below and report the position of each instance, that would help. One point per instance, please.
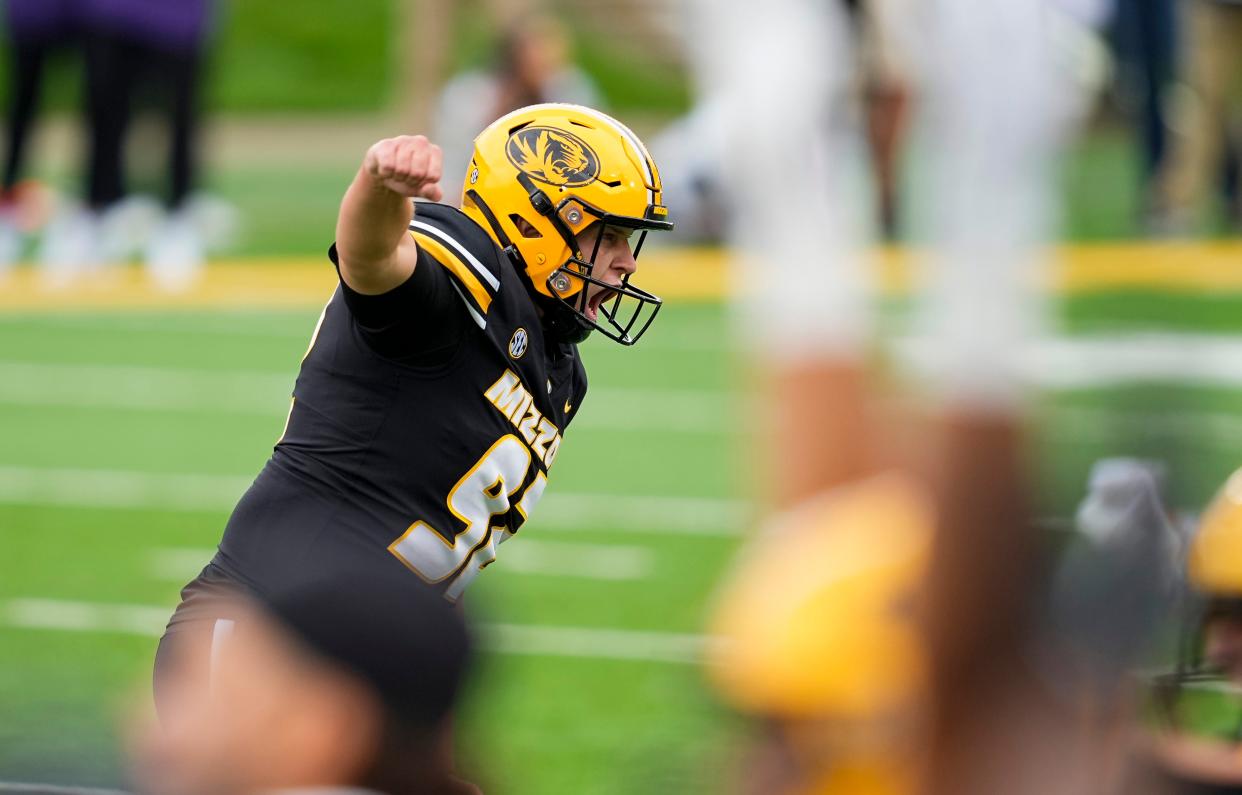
(475, 265)
(474, 313)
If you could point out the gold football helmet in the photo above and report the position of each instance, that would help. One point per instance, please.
(818, 618)
(815, 630)
(539, 177)
(1215, 561)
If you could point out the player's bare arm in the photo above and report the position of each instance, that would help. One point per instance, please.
(375, 252)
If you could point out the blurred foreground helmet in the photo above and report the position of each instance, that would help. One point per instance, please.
(540, 176)
(1198, 748)
(816, 629)
(1215, 562)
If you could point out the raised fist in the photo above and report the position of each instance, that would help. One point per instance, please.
(408, 164)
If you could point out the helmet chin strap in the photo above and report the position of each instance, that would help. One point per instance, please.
(560, 321)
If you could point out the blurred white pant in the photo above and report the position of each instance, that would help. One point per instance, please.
(993, 106)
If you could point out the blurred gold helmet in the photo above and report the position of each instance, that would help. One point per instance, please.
(818, 620)
(1198, 705)
(1214, 565)
(539, 177)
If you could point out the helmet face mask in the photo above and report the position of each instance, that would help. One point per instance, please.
(541, 177)
(625, 311)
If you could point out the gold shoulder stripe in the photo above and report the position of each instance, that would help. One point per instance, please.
(455, 266)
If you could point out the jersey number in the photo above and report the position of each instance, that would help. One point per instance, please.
(484, 493)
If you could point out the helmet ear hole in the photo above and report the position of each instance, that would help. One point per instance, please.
(526, 228)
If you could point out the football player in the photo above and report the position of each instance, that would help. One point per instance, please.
(782, 69)
(444, 369)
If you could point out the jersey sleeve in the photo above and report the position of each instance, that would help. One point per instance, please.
(455, 281)
(419, 322)
(459, 248)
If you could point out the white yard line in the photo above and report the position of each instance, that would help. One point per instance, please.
(240, 323)
(673, 338)
(102, 488)
(609, 562)
(586, 561)
(594, 643)
(145, 388)
(1098, 360)
(1058, 363)
(177, 564)
(554, 641)
(267, 394)
(1094, 425)
(73, 616)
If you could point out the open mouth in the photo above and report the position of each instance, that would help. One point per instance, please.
(595, 302)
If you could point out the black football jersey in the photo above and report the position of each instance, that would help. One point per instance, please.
(425, 430)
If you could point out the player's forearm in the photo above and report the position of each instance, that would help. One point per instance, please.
(374, 252)
(372, 222)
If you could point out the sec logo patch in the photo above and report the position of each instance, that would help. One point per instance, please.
(518, 343)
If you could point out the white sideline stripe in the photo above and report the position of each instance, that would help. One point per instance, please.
(582, 642)
(267, 394)
(518, 556)
(106, 488)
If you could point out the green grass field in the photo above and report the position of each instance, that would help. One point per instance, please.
(275, 58)
(126, 436)
(535, 724)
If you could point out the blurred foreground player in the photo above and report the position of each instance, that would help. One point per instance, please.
(342, 684)
(982, 724)
(1210, 673)
(822, 649)
(444, 370)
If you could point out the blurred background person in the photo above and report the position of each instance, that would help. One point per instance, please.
(532, 64)
(137, 52)
(341, 684)
(1199, 154)
(1144, 35)
(37, 31)
(871, 109)
(884, 86)
(987, 211)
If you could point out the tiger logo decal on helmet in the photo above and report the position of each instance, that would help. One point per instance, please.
(552, 156)
(539, 178)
